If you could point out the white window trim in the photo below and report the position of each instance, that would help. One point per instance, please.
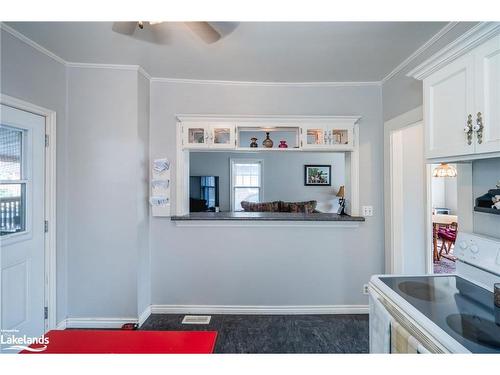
(50, 201)
(231, 177)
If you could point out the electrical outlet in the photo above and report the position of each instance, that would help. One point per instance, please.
(365, 289)
(367, 211)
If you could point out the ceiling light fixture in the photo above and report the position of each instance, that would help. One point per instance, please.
(444, 170)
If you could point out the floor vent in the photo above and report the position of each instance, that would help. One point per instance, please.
(196, 319)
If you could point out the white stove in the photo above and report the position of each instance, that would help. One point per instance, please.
(443, 313)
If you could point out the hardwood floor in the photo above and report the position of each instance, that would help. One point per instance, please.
(277, 333)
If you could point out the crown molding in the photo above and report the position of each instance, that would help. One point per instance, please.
(102, 66)
(31, 43)
(424, 47)
(266, 118)
(460, 46)
(257, 83)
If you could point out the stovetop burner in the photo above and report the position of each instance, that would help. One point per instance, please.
(476, 329)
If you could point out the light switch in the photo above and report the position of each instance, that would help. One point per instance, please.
(367, 210)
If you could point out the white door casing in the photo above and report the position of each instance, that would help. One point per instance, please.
(23, 253)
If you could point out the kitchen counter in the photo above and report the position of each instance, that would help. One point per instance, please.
(266, 216)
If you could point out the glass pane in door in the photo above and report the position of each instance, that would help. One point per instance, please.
(314, 136)
(339, 137)
(222, 136)
(12, 189)
(11, 141)
(196, 135)
(12, 208)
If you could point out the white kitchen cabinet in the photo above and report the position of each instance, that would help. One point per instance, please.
(448, 102)
(324, 136)
(222, 136)
(198, 135)
(487, 96)
(461, 85)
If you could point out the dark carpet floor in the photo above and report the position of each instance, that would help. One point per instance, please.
(277, 333)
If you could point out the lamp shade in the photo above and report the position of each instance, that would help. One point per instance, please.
(444, 170)
(340, 193)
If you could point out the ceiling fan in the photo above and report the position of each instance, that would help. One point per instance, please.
(204, 30)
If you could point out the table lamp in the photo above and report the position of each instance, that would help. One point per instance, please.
(340, 195)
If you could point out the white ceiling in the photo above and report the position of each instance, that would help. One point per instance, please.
(249, 51)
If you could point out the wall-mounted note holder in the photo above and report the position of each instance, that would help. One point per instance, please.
(160, 187)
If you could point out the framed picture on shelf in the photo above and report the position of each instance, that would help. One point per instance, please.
(317, 175)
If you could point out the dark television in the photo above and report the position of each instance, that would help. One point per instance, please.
(203, 193)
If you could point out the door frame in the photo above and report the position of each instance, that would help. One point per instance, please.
(392, 174)
(50, 201)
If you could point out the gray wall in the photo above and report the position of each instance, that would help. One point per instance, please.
(268, 266)
(34, 77)
(102, 230)
(107, 187)
(283, 175)
(485, 175)
(401, 93)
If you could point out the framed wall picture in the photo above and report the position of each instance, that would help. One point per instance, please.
(317, 175)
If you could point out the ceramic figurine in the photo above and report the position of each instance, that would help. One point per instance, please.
(253, 144)
(267, 143)
(283, 144)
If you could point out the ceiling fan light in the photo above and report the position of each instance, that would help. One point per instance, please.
(444, 170)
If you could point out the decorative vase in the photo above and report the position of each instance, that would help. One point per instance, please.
(254, 142)
(283, 144)
(267, 143)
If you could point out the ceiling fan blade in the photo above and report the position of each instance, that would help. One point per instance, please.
(126, 28)
(204, 30)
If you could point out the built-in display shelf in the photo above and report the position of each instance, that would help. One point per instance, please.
(487, 210)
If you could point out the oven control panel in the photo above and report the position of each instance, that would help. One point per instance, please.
(480, 251)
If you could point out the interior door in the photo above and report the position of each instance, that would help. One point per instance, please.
(487, 67)
(22, 253)
(449, 100)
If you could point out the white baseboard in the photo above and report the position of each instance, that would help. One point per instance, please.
(95, 322)
(61, 325)
(144, 315)
(259, 310)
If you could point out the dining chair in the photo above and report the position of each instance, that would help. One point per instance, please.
(448, 236)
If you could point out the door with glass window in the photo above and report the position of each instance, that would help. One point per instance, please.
(22, 252)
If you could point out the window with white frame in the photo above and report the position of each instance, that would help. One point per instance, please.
(246, 182)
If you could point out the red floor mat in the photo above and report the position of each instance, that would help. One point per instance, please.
(128, 342)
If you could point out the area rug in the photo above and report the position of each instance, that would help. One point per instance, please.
(444, 265)
(76, 341)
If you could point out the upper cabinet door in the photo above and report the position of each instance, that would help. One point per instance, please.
(195, 135)
(327, 137)
(222, 136)
(487, 80)
(448, 102)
